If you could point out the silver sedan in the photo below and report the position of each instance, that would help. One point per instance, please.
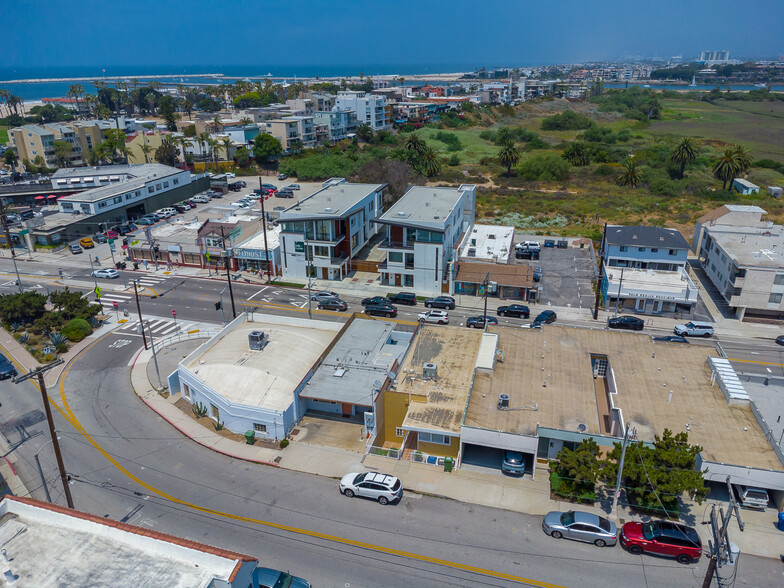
(580, 526)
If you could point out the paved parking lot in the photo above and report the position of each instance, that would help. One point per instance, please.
(566, 274)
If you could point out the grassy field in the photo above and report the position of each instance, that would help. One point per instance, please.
(3, 134)
(474, 147)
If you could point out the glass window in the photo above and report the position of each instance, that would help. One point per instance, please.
(400, 432)
(641, 249)
(775, 298)
(654, 249)
(259, 428)
(395, 257)
(779, 280)
(624, 248)
(321, 251)
(673, 252)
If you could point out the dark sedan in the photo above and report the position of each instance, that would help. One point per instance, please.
(631, 323)
(335, 304)
(478, 322)
(375, 300)
(446, 302)
(386, 310)
(674, 339)
(780, 339)
(517, 310)
(544, 318)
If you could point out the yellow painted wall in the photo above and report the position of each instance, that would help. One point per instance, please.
(200, 166)
(441, 450)
(395, 409)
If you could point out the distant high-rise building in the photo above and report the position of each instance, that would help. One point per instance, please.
(715, 56)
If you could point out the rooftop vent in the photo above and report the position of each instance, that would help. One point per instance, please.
(328, 209)
(257, 340)
(430, 370)
(503, 401)
(401, 213)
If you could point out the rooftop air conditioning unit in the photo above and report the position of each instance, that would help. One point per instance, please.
(503, 401)
(430, 370)
(257, 340)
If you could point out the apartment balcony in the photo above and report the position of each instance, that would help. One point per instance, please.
(325, 239)
(387, 244)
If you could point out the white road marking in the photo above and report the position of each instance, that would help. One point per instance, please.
(120, 343)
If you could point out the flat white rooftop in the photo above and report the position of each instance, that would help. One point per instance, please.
(488, 243)
(676, 286)
(267, 378)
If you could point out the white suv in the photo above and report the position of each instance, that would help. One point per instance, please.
(434, 316)
(694, 329)
(381, 487)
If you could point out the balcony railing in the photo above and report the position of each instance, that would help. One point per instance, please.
(388, 244)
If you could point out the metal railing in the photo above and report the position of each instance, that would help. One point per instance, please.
(187, 336)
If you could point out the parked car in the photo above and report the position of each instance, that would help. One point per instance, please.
(74, 248)
(291, 187)
(86, 243)
(165, 212)
(106, 273)
(385, 309)
(333, 304)
(630, 323)
(407, 298)
(580, 526)
(324, 295)
(99, 238)
(756, 498)
(7, 369)
(110, 234)
(269, 578)
(662, 538)
(478, 322)
(694, 329)
(672, 339)
(446, 302)
(269, 187)
(282, 176)
(513, 462)
(240, 204)
(285, 194)
(518, 310)
(440, 317)
(375, 485)
(201, 198)
(147, 220)
(780, 340)
(125, 229)
(230, 175)
(375, 300)
(530, 245)
(545, 317)
(527, 254)
(180, 207)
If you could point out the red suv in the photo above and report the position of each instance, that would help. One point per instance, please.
(662, 538)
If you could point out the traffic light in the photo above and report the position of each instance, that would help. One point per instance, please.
(218, 306)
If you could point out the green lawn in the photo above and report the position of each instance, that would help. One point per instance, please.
(474, 147)
(3, 135)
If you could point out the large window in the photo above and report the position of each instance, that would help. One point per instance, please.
(395, 257)
(779, 280)
(424, 236)
(321, 251)
(435, 438)
(323, 232)
(213, 241)
(293, 227)
(775, 298)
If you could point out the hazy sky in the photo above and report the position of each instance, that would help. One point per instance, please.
(51, 33)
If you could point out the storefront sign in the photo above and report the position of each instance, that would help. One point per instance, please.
(242, 253)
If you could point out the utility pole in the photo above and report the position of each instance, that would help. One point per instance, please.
(616, 494)
(618, 297)
(264, 227)
(601, 275)
(308, 268)
(154, 354)
(486, 282)
(228, 274)
(721, 552)
(139, 308)
(10, 243)
(39, 373)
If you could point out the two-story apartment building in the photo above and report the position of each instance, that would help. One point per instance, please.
(743, 255)
(424, 229)
(370, 109)
(323, 232)
(645, 269)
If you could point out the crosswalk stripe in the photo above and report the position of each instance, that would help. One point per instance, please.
(165, 330)
(115, 297)
(157, 323)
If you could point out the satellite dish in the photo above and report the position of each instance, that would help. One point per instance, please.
(581, 427)
(377, 385)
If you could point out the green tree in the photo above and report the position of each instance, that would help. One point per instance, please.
(503, 136)
(167, 108)
(726, 167)
(62, 151)
(744, 159)
(509, 155)
(72, 305)
(24, 307)
(630, 176)
(365, 133)
(429, 161)
(242, 157)
(655, 477)
(75, 91)
(577, 153)
(684, 154)
(566, 121)
(146, 150)
(266, 147)
(578, 470)
(414, 144)
(213, 145)
(167, 153)
(10, 158)
(227, 146)
(545, 167)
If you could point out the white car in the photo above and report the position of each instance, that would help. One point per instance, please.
(440, 317)
(231, 175)
(106, 273)
(291, 187)
(240, 204)
(374, 485)
(201, 198)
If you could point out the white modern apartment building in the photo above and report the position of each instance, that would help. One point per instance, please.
(743, 255)
(370, 109)
(424, 230)
(337, 124)
(323, 232)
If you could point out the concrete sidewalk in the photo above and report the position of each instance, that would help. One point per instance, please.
(468, 484)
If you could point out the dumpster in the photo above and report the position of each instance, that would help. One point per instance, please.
(250, 437)
(448, 467)
(781, 521)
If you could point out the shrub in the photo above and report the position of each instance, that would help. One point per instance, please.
(284, 443)
(664, 187)
(77, 329)
(454, 160)
(770, 164)
(604, 170)
(451, 140)
(544, 167)
(567, 121)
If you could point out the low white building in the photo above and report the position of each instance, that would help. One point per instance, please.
(491, 243)
(652, 291)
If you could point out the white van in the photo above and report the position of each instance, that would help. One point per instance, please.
(753, 497)
(530, 245)
(694, 329)
(201, 198)
(163, 213)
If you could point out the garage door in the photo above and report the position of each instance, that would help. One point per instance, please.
(479, 455)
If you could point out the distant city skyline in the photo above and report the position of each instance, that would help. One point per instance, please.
(353, 33)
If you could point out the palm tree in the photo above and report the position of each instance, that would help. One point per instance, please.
(414, 144)
(202, 139)
(508, 156)
(684, 154)
(227, 145)
(429, 162)
(743, 157)
(216, 125)
(213, 144)
(577, 154)
(726, 167)
(184, 142)
(75, 91)
(146, 149)
(629, 177)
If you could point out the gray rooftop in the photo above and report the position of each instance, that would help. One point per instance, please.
(423, 206)
(752, 246)
(334, 201)
(645, 236)
(151, 171)
(362, 356)
(137, 171)
(37, 129)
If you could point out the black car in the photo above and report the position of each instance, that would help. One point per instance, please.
(125, 229)
(679, 339)
(7, 369)
(780, 339)
(526, 254)
(408, 298)
(631, 323)
(386, 310)
(446, 302)
(375, 300)
(545, 317)
(478, 322)
(517, 310)
(179, 208)
(335, 304)
(285, 194)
